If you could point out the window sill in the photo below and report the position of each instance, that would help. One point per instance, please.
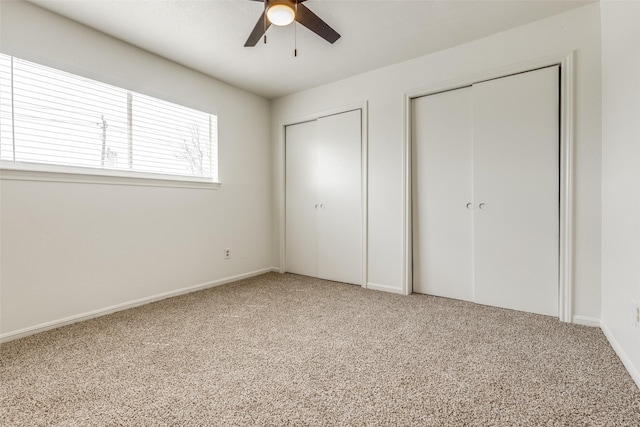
(46, 173)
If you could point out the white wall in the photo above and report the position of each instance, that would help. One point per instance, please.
(69, 248)
(384, 90)
(621, 178)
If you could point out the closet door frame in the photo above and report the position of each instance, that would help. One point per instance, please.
(565, 61)
(281, 150)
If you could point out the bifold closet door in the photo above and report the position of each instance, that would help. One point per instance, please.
(516, 189)
(442, 166)
(323, 218)
(485, 192)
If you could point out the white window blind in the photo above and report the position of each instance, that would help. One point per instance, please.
(51, 117)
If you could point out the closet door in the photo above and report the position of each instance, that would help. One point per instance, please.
(324, 198)
(340, 197)
(301, 205)
(442, 157)
(516, 188)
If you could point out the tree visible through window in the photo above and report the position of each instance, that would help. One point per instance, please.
(48, 116)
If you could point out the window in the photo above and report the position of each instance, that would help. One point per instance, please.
(70, 123)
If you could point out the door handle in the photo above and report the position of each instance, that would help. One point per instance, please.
(483, 206)
(470, 206)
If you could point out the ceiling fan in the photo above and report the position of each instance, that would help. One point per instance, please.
(284, 12)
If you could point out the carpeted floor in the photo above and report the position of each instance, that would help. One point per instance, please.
(279, 350)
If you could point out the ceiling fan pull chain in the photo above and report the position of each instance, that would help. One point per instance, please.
(295, 31)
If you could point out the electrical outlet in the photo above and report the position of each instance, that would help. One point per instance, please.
(227, 253)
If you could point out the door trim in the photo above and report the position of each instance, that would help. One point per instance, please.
(565, 263)
(281, 149)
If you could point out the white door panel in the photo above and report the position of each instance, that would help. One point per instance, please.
(340, 214)
(302, 176)
(442, 187)
(516, 161)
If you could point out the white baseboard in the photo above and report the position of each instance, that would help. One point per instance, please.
(586, 321)
(385, 288)
(9, 336)
(633, 370)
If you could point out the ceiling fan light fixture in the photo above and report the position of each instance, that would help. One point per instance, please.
(281, 14)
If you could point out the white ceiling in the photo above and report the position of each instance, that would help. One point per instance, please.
(209, 35)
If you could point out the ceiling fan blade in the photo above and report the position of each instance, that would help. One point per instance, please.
(261, 27)
(315, 24)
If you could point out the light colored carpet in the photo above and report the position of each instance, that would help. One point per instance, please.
(290, 350)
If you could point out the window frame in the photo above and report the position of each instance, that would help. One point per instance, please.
(56, 173)
(51, 172)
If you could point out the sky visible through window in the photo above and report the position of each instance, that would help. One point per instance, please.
(53, 117)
